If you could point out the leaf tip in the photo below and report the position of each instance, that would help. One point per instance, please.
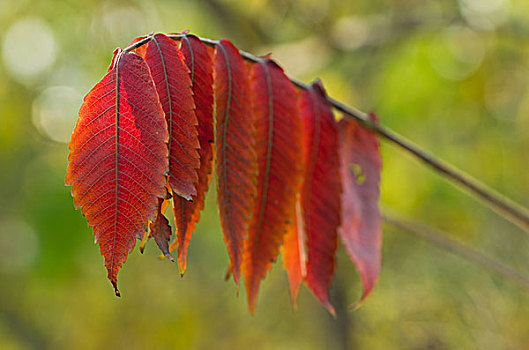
(188, 195)
(331, 310)
(182, 265)
(143, 241)
(251, 293)
(355, 306)
(294, 297)
(228, 273)
(164, 256)
(115, 285)
(251, 307)
(368, 289)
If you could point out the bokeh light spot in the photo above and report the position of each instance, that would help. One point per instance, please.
(350, 33)
(119, 23)
(55, 111)
(18, 246)
(457, 52)
(28, 49)
(485, 14)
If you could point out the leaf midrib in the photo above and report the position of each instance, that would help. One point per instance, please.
(116, 167)
(224, 135)
(266, 176)
(170, 117)
(315, 107)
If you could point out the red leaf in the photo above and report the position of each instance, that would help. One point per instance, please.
(236, 164)
(118, 158)
(187, 213)
(361, 229)
(294, 257)
(278, 144)
(162, 207)
(161, 231)
(171, 77)
(321, 192)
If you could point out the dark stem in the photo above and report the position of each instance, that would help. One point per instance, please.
(139, 43)
(507, 208)
(342, 323)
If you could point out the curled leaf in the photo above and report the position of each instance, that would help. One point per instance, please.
(161, 231)
(361, 230)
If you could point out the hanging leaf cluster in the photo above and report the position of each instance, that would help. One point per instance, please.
(289, 176)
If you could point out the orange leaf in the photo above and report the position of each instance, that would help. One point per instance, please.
(118, 157)
(278, 140)
(294, 257)
(236, 164)
(187, 213)
(361, 229)
(171, 77)
(321, 192)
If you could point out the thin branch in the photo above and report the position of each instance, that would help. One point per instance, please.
(139, 43)
(507, 208)
(341, 324)
(504, 206)
(443, 241)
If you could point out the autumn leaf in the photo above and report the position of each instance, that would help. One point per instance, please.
(161, 231)
(294, 255)
(236, 164)
(278, 144)
(198, 58)
(118, 157)
(321, 191)
(361, 230)
(171, 78)
(289, 177)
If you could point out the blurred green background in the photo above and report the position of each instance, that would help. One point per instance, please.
(450, 75)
